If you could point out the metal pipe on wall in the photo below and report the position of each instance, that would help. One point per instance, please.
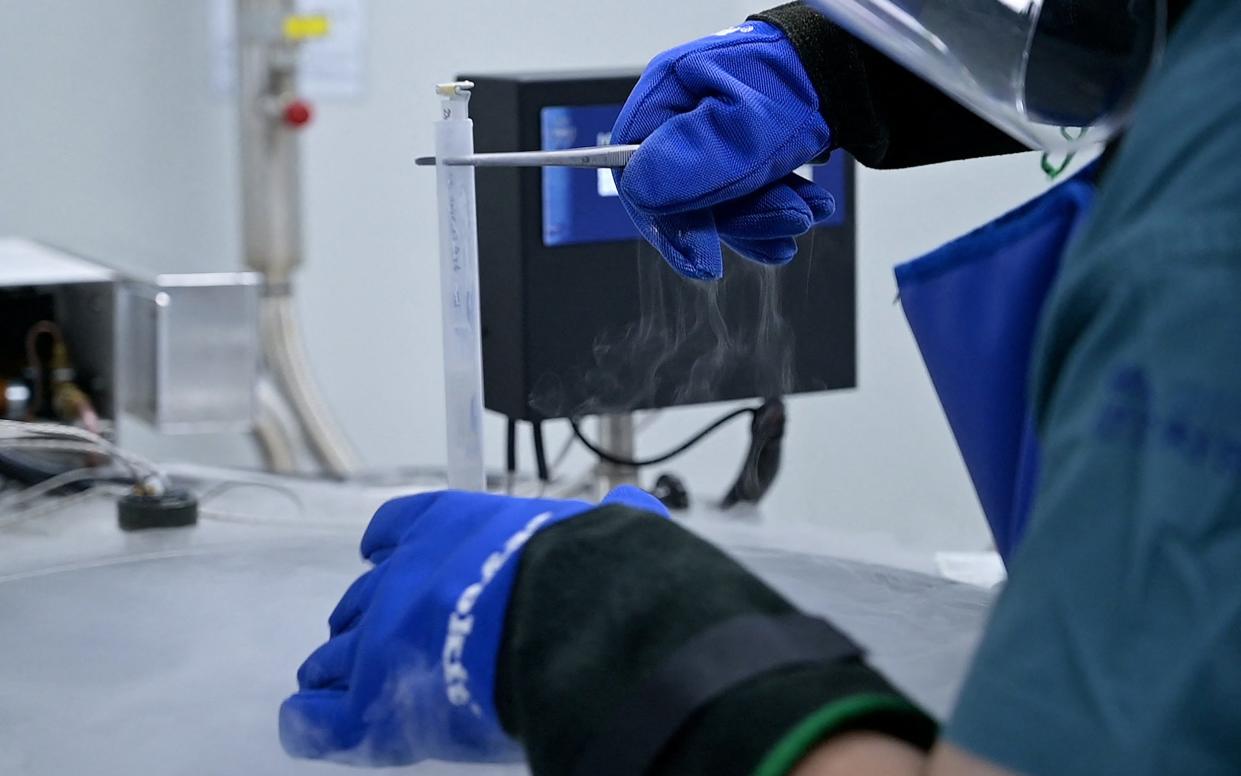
(270, 113)
(270, 159)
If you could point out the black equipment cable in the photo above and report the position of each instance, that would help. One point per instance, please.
(32, 470)
(658, 459)
(762, 460)
(510, 458)
(540, 451)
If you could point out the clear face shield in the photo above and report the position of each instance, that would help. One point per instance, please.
(1058, 75)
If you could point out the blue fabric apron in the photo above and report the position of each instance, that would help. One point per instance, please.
(974, 307)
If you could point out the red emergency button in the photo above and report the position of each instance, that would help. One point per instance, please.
(297, 113)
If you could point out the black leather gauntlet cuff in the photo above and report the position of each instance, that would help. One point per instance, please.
(631, 646)
(879, 112)
(833, 60)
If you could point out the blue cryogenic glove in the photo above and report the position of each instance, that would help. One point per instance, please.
(409, 671)
(723, 122)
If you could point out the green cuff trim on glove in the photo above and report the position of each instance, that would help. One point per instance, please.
(836, 717)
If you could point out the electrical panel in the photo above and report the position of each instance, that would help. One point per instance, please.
(580, 316)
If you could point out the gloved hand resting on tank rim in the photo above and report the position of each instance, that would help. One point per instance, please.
(601, 640)
(409, 671)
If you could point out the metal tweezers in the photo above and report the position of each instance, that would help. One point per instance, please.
(593, 157)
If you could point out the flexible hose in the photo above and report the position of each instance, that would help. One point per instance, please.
(272, 422)
(21, 430)
(286, 358)
(27, 469)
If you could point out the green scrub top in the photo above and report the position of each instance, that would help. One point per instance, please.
(1115, 646)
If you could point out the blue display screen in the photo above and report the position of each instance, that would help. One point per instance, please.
(582, 207)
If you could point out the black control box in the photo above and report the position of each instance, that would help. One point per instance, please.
(580, 316)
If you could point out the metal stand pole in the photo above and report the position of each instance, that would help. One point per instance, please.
(616, 436)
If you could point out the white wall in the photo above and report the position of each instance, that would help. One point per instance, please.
(114, 144)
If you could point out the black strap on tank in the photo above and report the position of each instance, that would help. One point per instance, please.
(700, 671)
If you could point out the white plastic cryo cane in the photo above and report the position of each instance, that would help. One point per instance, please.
(463, 361)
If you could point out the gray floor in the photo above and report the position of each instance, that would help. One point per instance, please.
(169, 652)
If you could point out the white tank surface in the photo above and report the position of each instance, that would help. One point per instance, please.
(170, 651)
